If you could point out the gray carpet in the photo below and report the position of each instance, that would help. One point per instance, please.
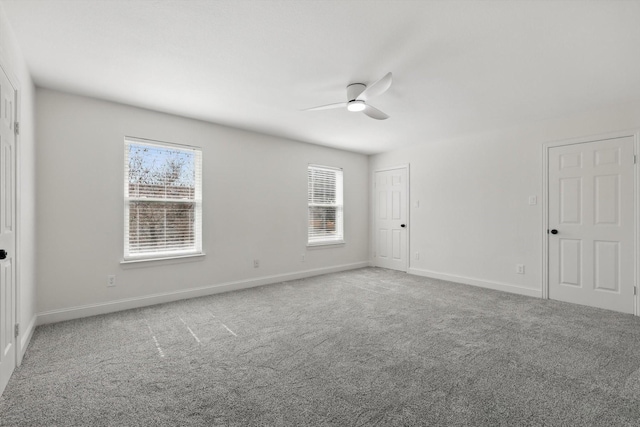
(359, 348)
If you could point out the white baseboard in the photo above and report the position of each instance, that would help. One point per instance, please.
(504, 287)
(70, 313)
(26, 335)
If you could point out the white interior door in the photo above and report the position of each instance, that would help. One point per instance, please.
(591, 224)
(7, 231)
(391, 205)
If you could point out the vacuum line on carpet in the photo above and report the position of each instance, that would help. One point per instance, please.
(158, 346)
(154, 339)
(384, 287)
(225, 326)
(189, 329)
(367, 289)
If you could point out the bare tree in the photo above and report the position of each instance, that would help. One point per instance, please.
(162, 186)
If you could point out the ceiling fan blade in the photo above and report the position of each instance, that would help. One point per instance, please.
(378, 88)
(374, 113)
(327, 107)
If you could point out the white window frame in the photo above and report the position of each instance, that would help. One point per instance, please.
(338, 238)
(196, 249)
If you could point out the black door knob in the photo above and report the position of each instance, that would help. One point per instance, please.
(403, 225)
(554, 231)
(3, 254)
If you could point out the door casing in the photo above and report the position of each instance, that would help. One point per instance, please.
(635, 134)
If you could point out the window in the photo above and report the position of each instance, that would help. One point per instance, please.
(162, 200)
(325, 205)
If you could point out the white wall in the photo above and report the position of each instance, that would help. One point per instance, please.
(474, 223)
(254, 202)
(11, 58)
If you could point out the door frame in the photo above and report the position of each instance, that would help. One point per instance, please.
(374, 240)
(635, 134)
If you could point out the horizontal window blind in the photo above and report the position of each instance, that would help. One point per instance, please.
(325, 205)
(163, 199)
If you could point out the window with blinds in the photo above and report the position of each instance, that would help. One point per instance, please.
(325, 205)
(162, 199)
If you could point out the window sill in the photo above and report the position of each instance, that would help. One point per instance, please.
(325, 244)
(162, 260)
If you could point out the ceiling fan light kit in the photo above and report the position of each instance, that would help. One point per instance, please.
(356, 105)
(358, 94)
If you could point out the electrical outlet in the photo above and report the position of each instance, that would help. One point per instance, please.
(111, 281)
(533, 200)
(302, 258)
(520, 268)
(256, 263)
(417, 255)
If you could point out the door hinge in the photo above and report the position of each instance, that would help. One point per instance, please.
(16, 128)
(17, 330)
(635, 290)
(635, 159)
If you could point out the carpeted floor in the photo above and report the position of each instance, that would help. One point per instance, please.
(359, 348)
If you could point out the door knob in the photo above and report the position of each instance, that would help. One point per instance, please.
(3, 254)
(554, 231)
(403, 225)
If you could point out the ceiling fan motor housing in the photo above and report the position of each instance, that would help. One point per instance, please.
(355, 89)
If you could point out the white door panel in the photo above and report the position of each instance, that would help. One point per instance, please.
(7, 231)
(591, 206)
(391, 219)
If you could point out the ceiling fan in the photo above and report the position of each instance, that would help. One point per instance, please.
(357, 96)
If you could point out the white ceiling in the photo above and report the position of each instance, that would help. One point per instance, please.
(458, 66)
